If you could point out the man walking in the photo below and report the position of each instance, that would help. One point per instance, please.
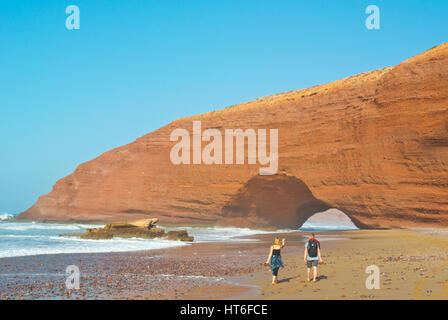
(312, 256)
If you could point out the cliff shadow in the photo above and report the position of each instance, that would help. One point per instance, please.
(277, 201)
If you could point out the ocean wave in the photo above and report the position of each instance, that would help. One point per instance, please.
(182, 277)
(25, 226)
(19, 237)
(69, 245)
(6, 216)
(37, 238)
(326, 227)
(219, 234)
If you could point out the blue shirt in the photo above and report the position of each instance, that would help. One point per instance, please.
(308, 257)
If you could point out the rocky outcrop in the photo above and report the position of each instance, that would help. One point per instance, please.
(181, 235)
(374, 145)
(144, 228)
(144, 223)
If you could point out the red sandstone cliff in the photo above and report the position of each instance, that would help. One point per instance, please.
(374, 145)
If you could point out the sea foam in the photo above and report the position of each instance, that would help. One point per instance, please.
(35, 238)
(6, 216)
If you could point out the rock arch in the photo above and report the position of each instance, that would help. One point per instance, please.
(331, 219)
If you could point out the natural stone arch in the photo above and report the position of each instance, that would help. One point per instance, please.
(281, 201)
(331, 219)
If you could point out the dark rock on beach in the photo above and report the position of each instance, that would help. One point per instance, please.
(181, 235)
(144, 228)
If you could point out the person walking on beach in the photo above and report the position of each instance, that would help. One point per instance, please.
(312, 256)
(275, 259)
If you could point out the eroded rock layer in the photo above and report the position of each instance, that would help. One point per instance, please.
(374, 145)
(144, 228)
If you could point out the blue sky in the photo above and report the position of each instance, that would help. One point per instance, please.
(67, 96)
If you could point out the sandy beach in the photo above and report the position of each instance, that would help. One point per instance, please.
(413, 265)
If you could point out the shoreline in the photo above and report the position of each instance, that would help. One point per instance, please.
(413, 265)
(66, 232)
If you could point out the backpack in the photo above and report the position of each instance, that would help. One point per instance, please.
(312, 248)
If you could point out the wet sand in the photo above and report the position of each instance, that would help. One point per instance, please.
(413, 265)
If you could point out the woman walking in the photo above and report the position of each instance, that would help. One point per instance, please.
(275, 259)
